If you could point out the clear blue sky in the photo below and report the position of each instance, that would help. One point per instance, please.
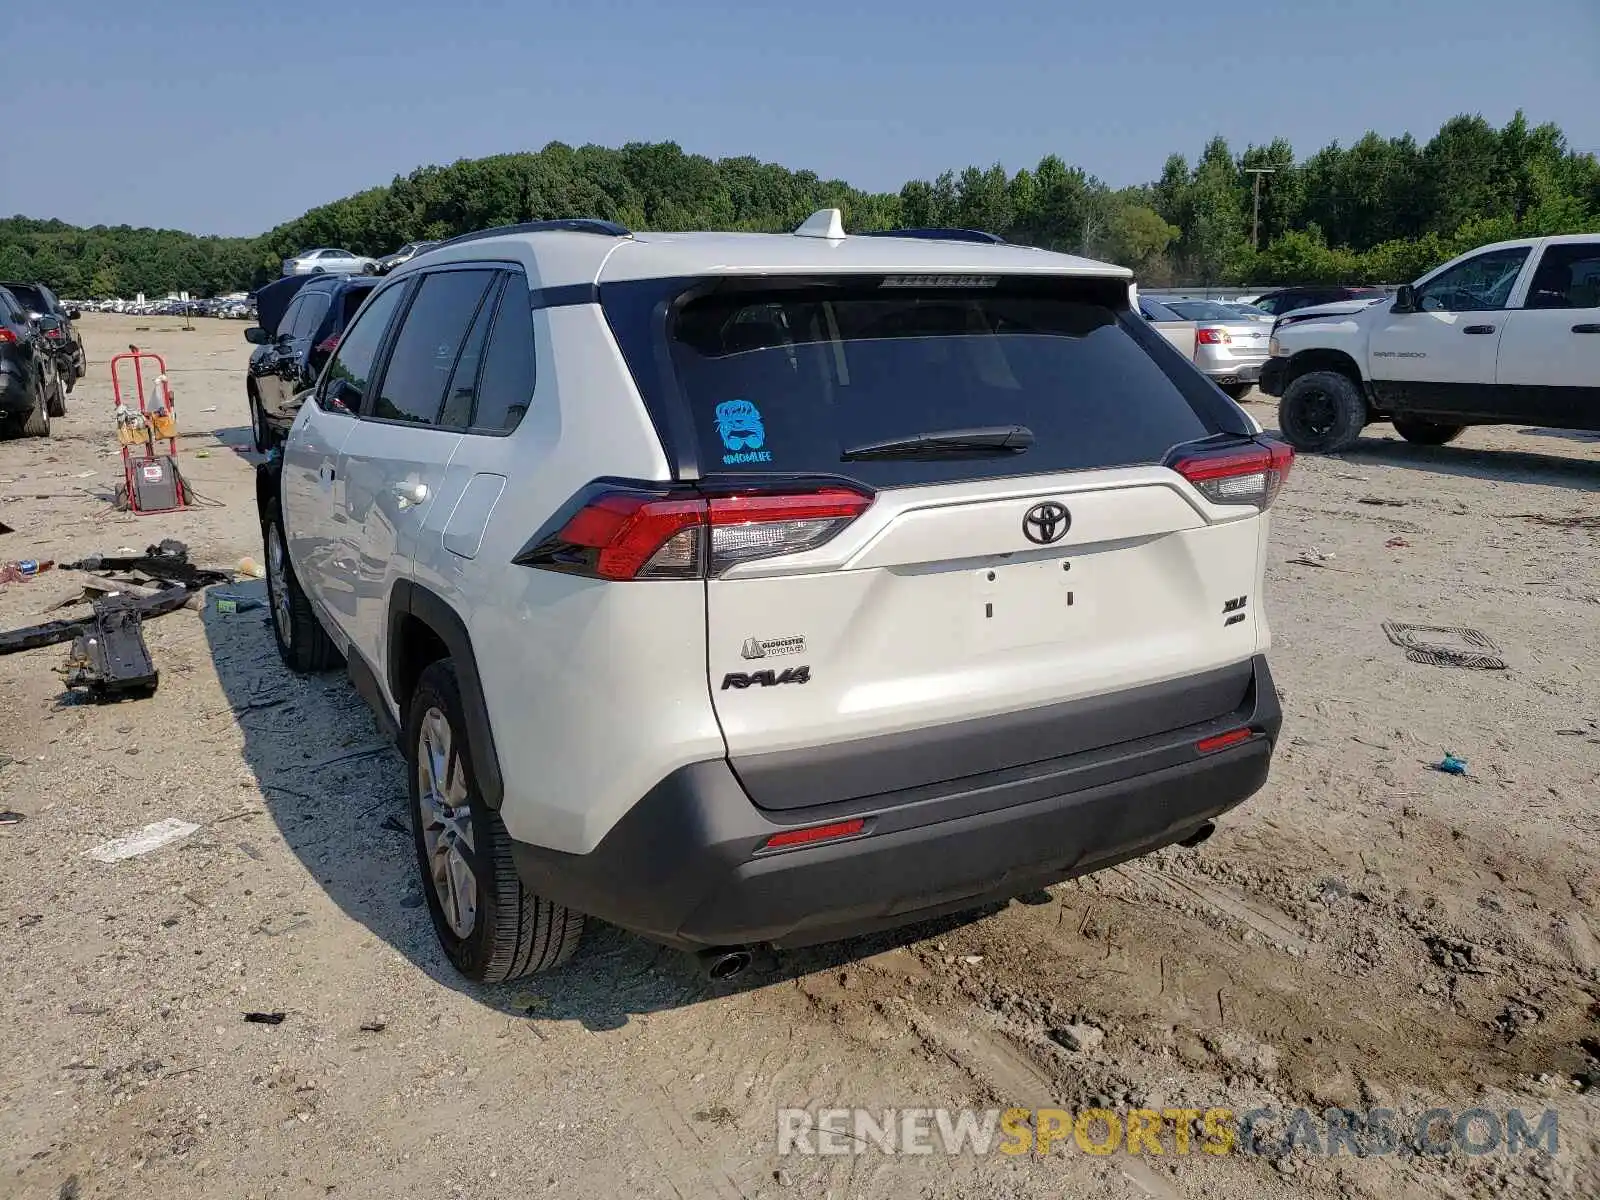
(230, 116)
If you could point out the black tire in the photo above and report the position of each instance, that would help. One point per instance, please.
(37, 422)
(504, 931)
(260, 433)
(1238, 391)
(1427, 433)
(56, 405)
(303, 644)
(1322, 412)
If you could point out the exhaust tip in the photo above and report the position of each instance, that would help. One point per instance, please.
(725, 963)
(1199, 835)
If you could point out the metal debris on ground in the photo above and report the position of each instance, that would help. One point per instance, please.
(1581, 521)
(1380, 500)
(143, 841)
(111, 661)
(166, 563)
(1445, 646)
(9, 817)
(265, 1018)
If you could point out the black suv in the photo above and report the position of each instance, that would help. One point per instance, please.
(1288, 299)
(61, 338)
(30, 388)
(301, 319)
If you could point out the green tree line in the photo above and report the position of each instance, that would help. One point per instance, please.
(1380, 210)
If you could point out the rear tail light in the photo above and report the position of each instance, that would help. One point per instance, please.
(1213, 337)
(328, 344)
(54, 334)
(1253, 473)
(625, 534)
(7, 338)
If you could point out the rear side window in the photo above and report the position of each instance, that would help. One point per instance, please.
(1568, 277)
(506, 385)
(427, 345)
(790, 380)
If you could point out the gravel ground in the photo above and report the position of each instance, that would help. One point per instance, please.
(1366, 931)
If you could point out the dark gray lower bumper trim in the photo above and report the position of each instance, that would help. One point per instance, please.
(685, 865)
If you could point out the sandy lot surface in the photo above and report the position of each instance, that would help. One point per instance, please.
(1366, 931)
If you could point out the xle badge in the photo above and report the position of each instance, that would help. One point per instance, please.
(740, 680)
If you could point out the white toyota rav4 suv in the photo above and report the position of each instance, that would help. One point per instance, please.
(763, 589)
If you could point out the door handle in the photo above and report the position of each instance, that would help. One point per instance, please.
(1586, 329)
(1478, 329)
(407, 494)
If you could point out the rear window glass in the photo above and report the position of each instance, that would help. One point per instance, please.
(790, 380)
(1203, 310)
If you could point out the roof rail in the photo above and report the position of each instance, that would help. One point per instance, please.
(563, 225)
(940, 235)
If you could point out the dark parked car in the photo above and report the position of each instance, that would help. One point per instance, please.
(62, 339)
(1286, 300)
(301, 320)
(30, 390)
(404, 255)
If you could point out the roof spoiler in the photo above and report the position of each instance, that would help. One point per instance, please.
(592, 225)
(938, 234)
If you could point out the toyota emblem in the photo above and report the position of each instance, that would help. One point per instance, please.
(1046, 523)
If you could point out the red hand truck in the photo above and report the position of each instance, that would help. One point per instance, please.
(151, 479)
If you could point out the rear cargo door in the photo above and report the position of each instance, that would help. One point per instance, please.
(975, 575)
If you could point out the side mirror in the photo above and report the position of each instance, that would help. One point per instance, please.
(257, 336)
(1405, 299)
(340, 395)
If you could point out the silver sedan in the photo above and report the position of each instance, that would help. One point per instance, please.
(1229, 347)
(328, 262)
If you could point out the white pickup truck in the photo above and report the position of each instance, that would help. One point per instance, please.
(1506, 334)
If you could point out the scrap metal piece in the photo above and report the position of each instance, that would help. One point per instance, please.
(51, 633)
(111, 661)
(169, 561)
(1446, 646)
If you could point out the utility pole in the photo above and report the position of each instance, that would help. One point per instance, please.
(1255, 212)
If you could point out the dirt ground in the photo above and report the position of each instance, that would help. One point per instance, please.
(1365, 932)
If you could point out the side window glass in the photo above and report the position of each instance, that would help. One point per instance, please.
(312, 310)
(464, 380)
(344, 384)
(506, 386)
(427, 346)
(1481, 284)
(290, 315)
(1568, 277)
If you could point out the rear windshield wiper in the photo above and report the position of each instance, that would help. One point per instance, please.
(987, 441)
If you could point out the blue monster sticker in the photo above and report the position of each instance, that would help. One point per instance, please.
(742, 432)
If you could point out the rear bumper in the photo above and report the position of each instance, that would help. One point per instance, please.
(686, 865)
(1232, 372)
